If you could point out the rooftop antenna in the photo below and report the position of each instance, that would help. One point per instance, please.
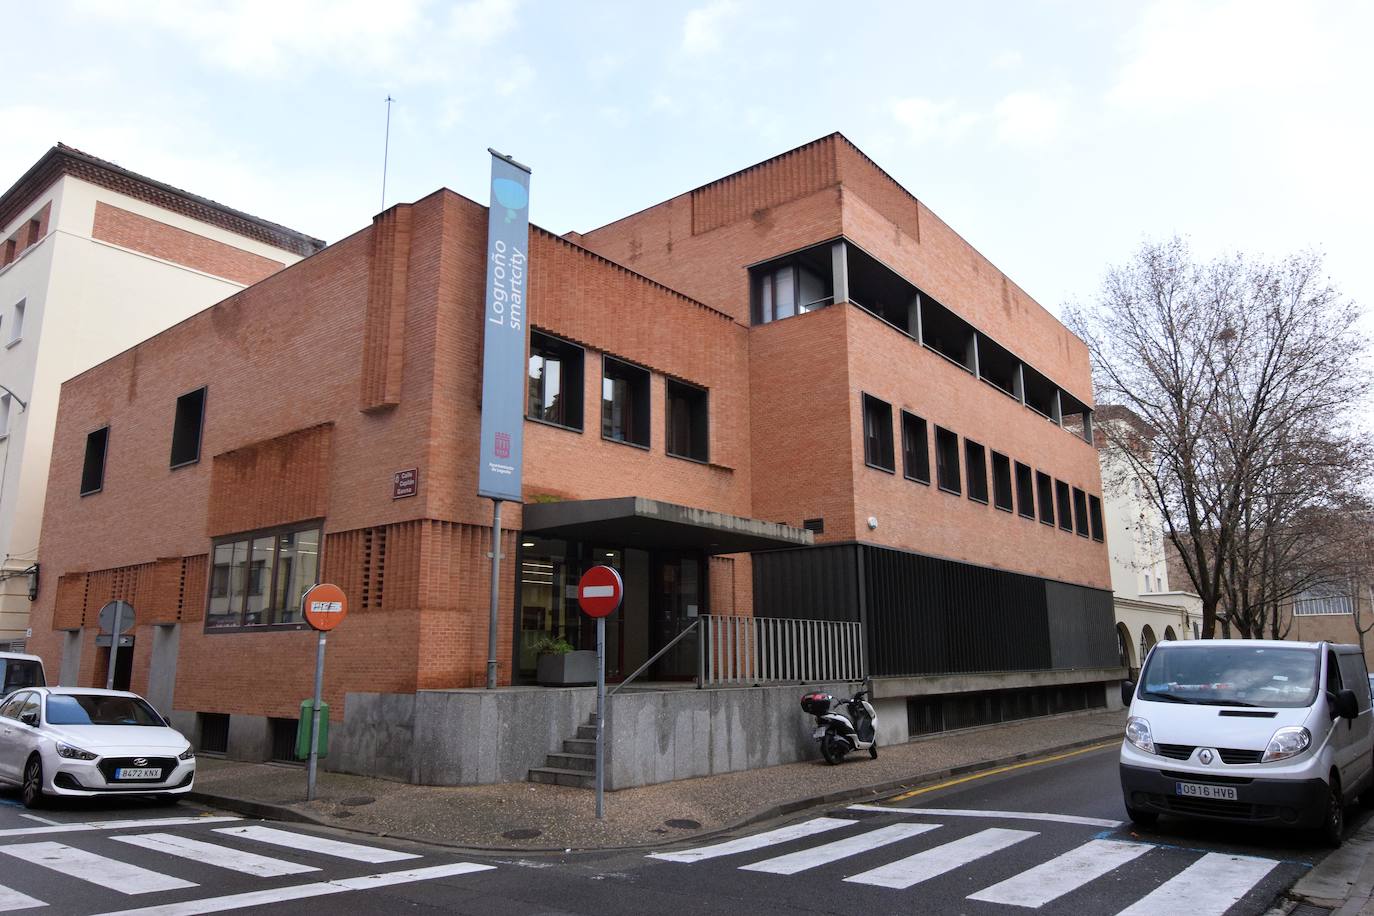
(386, 147)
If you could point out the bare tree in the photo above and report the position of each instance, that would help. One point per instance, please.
(1245, 372)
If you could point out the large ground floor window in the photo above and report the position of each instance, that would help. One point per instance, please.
(258, 579)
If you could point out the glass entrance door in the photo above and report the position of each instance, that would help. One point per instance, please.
(677, 600)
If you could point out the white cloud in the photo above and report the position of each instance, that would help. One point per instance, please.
(703, 28)
(926, 120)
(1028, 118)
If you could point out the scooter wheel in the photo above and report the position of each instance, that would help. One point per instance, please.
(873, 750)
(833, 749)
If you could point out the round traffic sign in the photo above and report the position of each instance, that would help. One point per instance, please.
(126, 617)
(324, 606)
(599, 591)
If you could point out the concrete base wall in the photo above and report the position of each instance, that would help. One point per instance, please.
(162, 668)
(456, 737)
(250, 739)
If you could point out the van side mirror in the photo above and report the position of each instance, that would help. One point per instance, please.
(1347, 707)
(1127, 692)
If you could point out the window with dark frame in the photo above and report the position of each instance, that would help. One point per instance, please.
(976, 467)
(1063, 501)
(258, 579)
(947, 460)
(1001, 481)
(688, 426)
(1080, 512)
(1025, 490)
(1095, 517)
(93, 468)
(624, 402)
(878, 450)
(555, 381)
(1044, 489)
(915, 448)
(187, 427)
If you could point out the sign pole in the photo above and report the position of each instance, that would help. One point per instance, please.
(494, 616)
(600, 718)
(114, 643)
(315, 720)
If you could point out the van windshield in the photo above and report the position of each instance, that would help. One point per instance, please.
(19, 672)
(1231, 676)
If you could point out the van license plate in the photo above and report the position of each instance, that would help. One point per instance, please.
(138, 773)
(1198, 790)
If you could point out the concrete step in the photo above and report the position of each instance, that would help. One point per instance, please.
(585, 763)
(577, 779)
(579, 746)
(586, 732)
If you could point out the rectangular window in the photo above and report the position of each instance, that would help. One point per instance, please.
(1064, 503)
(976, 464)
(1044, 489)
(555, 381)
(1095, 517)
(1080, 512)
(793, 285)
(93, 468)
(947, 460)
(625, 403)
(1001, 481)
(915, 448)
(17, 323)
(688, 426)
(186, 428)
(4, 415)
(878, 434)
(258, 580)
(1025, 490)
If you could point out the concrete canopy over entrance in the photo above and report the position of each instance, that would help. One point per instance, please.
(656, 525)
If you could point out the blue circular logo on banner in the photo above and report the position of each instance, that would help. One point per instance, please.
(510, 194)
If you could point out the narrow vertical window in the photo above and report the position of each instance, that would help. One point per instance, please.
(1095, 517)
(976, 464)
(1025, 491)
(186, 428)
(878, 450)
(93, 468)
(915, 448)
(1044, 488)
(1064, 503)
(688, 432)
(1001, 481)
(17, 322)
(1080, 512)
(947, 460)
(625, 403)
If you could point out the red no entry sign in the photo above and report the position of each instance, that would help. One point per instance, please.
(599, 591)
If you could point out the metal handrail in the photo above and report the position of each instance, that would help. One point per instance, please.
(657, 655)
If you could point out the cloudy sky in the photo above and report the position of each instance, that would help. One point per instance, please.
(1054, 135)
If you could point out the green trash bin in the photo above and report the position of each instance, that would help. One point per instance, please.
(306, 723)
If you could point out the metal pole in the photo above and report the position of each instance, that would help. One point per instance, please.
(600, 718)
(315, 721)
(495, 591)
(114, 644)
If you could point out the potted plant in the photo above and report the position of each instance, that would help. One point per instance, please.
(560, 665)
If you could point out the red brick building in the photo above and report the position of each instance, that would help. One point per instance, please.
(802, 343)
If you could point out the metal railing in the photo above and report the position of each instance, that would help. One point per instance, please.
(761, 650)
(656, 656)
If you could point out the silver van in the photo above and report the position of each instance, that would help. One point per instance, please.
(1257, 731)
(18, 670)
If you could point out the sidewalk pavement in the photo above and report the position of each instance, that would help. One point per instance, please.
(1342, 884)
(536, 817)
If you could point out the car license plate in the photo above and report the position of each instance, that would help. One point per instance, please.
(1198, 790)
(138, 773)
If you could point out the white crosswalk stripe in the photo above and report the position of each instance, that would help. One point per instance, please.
(1053, 879)
(108, 873)
(934, 862)
(11, 900)
(1208, 887)
(757, 841)
(794, 862)
(248, 863)
(308, 843)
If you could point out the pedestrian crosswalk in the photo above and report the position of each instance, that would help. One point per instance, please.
(253, 850)
(1207, 886)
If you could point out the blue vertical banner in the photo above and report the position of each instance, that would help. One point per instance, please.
(503, 346)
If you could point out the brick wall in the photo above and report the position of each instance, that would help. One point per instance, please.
(170, 243)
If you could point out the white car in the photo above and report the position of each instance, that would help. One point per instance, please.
(85, 742)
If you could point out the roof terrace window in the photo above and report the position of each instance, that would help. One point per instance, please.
(881, 291)
(948, 334)
(793, 285)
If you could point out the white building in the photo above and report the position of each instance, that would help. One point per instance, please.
(94, 259)
(1148, 610)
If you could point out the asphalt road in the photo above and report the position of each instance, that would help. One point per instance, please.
(1045, 835)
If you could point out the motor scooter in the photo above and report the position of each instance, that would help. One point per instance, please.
(844, 725)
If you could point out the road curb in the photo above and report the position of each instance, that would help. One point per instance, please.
(874, 792)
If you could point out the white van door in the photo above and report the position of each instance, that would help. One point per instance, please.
(1361, 732)
(1341, 744)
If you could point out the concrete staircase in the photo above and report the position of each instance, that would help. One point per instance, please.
(576, 765)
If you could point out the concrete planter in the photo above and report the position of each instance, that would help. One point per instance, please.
(571, 669)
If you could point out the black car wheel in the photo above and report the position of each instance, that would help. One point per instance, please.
(32, 791)
(1333, 827)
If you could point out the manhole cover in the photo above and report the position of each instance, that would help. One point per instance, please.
(358, 801)
(523, 833)
(683, 824)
